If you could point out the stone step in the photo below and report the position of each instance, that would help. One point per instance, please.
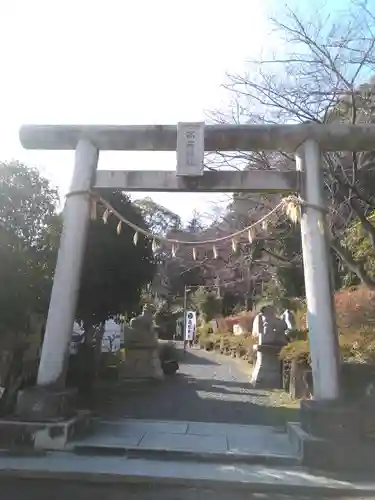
(189, 441)
(184, 455)
(34, 489)
(228, 481)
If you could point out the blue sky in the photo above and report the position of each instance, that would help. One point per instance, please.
(120, 62)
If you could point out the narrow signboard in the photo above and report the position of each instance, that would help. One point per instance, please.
(190, 325)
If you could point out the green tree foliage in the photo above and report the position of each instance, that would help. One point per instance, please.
(285, 250)
(360, 246)
(114, 271)
(195, 224)
(17, 291)
(231, 302)
(27, 211)
(159, 219)
(27, 202)
(207, 303)
(173, 273)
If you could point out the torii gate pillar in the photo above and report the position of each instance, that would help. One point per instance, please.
(319, 294)
(62, 308)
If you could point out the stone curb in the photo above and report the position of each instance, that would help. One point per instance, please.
(192, 456)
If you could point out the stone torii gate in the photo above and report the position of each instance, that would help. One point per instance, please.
(306, 141)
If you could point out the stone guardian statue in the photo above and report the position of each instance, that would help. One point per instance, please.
(142, 360)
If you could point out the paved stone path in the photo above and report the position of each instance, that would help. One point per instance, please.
(208, 388)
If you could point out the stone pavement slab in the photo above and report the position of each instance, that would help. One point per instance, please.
(268, 446)
(112, 441)
(234, 477)
(247, 439)
(185, 442)
(143, 426)
(222, 440)
(207, 428)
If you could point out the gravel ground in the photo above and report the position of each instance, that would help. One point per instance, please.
(36, 489)
(208, 388)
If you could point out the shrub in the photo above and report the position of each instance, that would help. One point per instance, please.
(355, 307)
(300, 317)
(207, 303)
(236, 345)
(298, 334)
(298, 350)
(224, 325)
(294, 304)
(356, 345)
(355, 318)
(203, 329)
(244, 319)
(206, 343)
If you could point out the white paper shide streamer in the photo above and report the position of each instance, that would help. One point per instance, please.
(155, 245)
(291, 207)
(105, 216)
(135, 238)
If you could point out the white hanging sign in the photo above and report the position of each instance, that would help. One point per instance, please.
(190, 148)
(191, 320)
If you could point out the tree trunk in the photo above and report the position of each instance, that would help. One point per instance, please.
(355, 267)
(12, 348)
(99, 332)
(249, 303)
(89, 330)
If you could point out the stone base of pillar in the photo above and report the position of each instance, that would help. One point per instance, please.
(334, 420)
(267, 371)
(20, 437)
(38, 404)
(44, 419)
(142, 363)
(335, 435)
